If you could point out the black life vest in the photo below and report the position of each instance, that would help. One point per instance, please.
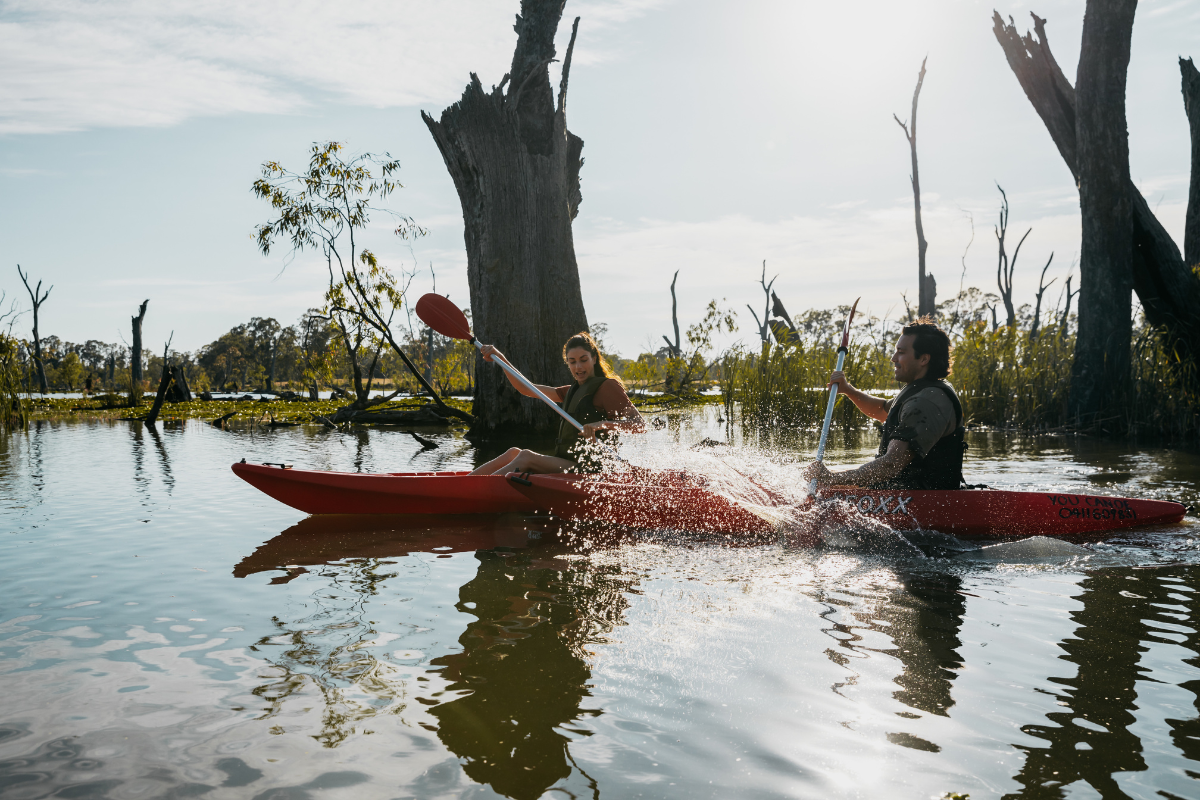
(941, 468)
(579, 405)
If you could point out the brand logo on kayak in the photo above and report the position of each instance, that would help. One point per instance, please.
(1074, 506)
(875, 504)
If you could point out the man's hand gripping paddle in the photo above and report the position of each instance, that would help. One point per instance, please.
(833, 390)
(448, 319)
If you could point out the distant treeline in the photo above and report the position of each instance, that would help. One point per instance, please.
(260, 355)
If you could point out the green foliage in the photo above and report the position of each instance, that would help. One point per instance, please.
(323, 209)
(681, 372)
(12, 406)
(784, 385)
(1006, 379)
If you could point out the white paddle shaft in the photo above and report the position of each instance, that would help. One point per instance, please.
(538, 392)
(841, 360)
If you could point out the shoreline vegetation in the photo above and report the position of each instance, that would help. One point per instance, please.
(1010, 378)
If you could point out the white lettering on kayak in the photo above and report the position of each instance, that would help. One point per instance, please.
(871, 504)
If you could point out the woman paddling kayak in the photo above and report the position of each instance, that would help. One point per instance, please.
(596, 398)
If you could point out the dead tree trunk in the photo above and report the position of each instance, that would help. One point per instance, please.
(1191, 104)
(36, 297)
(135, 360)
(926, 302)
(1037, 308)
(674, 348)
(516, 168)
(1169, 291)
(764, 327)
(1100, 371)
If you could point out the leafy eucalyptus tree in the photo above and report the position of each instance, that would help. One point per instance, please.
(325, 208)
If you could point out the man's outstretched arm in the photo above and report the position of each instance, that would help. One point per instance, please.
(886, 467)
(874, 407)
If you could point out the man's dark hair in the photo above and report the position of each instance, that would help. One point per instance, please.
(929, 339)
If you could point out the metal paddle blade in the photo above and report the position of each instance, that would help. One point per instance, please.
(444, 317)
(845, 328)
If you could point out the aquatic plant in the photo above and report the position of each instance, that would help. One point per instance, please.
(784, 384)
(12, 407)
(1007, 377)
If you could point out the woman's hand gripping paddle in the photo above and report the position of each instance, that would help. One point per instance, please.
(448, 319)
(833, 390)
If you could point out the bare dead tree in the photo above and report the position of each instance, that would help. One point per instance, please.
(764, 327)
(1168, 290)
(516, 168)
(36, 297)
(1037, 307)
(1066, 314)
(956, 317)
(1191, 105)
(675, 348)
(135, 356)
(926, 299)
(1005, 268)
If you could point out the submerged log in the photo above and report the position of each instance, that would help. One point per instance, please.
(160, 397)
(426, 415)
(219, 422)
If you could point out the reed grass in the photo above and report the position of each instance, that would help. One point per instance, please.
(1006, 379)
(13, 414)
(784, 385)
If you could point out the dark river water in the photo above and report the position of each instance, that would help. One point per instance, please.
(168, 631)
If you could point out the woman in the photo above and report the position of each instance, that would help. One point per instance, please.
(596, 399)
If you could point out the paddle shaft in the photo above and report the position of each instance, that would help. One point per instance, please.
(833, 391)
(538, 393)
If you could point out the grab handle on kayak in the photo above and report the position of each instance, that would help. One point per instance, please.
(515, 477)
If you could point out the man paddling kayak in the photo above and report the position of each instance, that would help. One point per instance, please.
(596, 399)
(922, 445)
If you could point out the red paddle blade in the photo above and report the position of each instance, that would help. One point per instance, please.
(444, 317)
(845, 329)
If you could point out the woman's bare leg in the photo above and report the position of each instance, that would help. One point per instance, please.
(517, 460)
(529, 461)
(497, 463)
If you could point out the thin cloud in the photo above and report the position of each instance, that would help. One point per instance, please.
(72, 65)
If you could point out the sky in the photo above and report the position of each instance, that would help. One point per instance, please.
(717, 135)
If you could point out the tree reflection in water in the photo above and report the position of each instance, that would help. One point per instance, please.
(1090, 739)
(329, 649)
(521, 677)
(525, 663)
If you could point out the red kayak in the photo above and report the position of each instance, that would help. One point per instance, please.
(676, 501)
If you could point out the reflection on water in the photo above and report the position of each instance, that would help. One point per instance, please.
(1095, 736)
(166, 631)
(523, 668)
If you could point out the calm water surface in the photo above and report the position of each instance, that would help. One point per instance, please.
(168, 631)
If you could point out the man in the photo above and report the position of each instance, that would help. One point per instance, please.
(922, 445)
